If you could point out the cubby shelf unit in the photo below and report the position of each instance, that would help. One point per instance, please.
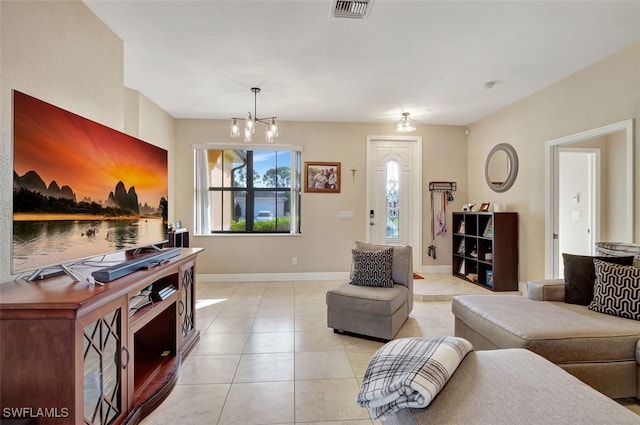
(485, 244)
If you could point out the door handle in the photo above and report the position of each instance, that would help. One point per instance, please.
(126, 351)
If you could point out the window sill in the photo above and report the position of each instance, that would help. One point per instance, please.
(226, 235)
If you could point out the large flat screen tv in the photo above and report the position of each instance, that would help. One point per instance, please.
(81, 189)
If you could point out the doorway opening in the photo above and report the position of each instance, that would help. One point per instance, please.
(614, 220)
(578, 202)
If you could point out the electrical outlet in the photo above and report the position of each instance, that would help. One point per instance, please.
(294, 261)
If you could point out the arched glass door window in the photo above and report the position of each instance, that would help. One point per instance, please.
(393, 201)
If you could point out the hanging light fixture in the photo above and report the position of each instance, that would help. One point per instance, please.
(405, 124)
(251, 121)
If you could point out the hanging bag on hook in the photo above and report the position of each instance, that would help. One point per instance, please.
(431, 251)
(442, 215)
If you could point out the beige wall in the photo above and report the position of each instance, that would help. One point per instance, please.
(604, 93)
(613, 178)
(326, 240)
(444, 158)
(147, 121)
(61, 53)
(614, 226)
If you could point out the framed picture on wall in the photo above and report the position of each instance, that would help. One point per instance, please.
(322, 177)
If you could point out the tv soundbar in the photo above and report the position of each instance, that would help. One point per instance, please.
(127, 267)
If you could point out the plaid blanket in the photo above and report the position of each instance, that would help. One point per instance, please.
(409, 372)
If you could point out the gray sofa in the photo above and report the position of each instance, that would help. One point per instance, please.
(515, 386)
(373, 311)
(599, 349)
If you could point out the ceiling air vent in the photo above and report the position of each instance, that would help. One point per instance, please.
(358, 9)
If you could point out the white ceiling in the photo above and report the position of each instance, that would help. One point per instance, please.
(199, 59)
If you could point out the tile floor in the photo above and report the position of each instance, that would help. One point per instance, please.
(266, 355)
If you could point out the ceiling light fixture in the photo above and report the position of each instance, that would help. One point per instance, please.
(405, 124)
(252, 120)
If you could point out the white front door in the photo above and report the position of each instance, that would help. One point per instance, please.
(394, 192)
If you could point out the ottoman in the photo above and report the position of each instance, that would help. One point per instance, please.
(515, 386)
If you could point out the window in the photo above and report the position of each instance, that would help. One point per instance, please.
(392, 191)
(247, 191)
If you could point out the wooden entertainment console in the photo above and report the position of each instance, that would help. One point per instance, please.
(73, 353)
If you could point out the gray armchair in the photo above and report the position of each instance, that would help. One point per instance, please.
(374, 312)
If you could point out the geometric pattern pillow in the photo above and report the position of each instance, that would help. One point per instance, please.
(580, 275)
(372, 268)
(617, 290)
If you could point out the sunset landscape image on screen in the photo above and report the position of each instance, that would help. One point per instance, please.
(81, 188)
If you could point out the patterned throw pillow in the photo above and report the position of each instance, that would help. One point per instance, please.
(580, 275)
(372, 268)
(617, 290)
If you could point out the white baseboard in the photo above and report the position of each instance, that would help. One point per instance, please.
(271, 277)
(522, 288)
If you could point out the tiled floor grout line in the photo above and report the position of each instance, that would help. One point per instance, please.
(230, 383)
(295, 382)
(242, 353)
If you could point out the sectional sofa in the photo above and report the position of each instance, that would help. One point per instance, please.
(602, 350)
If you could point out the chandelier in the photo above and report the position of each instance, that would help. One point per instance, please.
(251, 121)
(405, 124)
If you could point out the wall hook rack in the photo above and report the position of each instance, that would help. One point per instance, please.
(442, 186)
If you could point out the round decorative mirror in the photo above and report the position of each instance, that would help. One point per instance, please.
(501, 168)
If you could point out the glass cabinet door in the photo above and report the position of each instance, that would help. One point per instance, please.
(103, 369)
(186, 309)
